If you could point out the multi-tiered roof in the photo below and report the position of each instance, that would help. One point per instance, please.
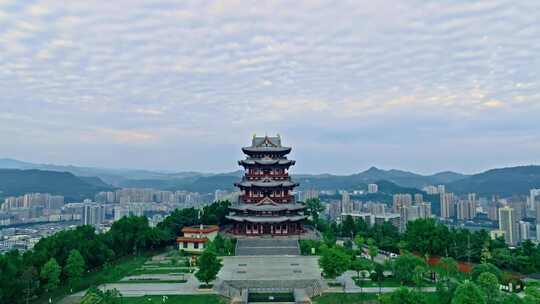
(267, 205)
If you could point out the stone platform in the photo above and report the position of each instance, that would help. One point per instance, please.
(269, 265)
(267, 247)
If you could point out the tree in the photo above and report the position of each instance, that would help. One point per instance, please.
(418, 276)
(372, 249)
(31, 283)
(359, 242)
(379, 274)
(209, 267)
(447, 268)
(486, 267)
(468, 293)
(403, 295)
(404, 267)
(314, 207)
(489, 284)
(334, 262)
(50, 273)
(329, 238)
(348, 227)
(360, 266)
(75, 266)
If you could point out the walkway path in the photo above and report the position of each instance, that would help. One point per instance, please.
(350, 286)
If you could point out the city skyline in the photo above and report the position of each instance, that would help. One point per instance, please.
(418, 86)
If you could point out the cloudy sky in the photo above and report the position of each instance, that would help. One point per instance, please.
(181, 85)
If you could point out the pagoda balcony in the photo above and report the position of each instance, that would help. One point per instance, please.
(255, 199)
(281, 176)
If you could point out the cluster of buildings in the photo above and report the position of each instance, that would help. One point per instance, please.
(45, 213)
(138, 195)
(515, 218)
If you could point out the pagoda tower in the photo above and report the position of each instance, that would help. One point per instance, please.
(266, 205)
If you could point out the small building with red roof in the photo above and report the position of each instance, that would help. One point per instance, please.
(194, 238)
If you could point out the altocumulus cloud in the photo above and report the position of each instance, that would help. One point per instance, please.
(421, 85)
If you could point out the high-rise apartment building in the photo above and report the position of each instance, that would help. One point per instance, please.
(431, 190)
(411, 213)
(509, 224)
(441, 189)
(373, 188)
(447, 205)
(418, 198)
(466, 209)
(400, 201)
(93, 214)
(346, 205)
(524, 230)
(532, 199)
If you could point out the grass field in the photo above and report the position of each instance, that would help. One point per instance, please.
(183, 299)
(354, 298)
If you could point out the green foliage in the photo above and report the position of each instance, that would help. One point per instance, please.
(96, 296)
(172, 225)
(99, 252)
(314, 207)
(30, 280)
(403, 295)
(489, 284)
(223, 246)
(75, 266)
(50, 273)
(348, 227)
(209, 266)
(334, 261)
(404, 267)
(306, 245)
(481, 268)
(131, 234)
(215, 214)
(329, 238)
(468, 293)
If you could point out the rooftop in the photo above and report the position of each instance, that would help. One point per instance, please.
(266, 219)
(266, 183)
(197, 229)
(268, 207)
(266, 144)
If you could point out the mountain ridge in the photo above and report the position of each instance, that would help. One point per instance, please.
(499, 181)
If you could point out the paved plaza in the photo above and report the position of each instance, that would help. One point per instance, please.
(270, 268)
(267, 247)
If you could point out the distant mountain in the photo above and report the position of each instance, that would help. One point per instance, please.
(114, 177)
(503, 182)
(14, 182)
(372, 175)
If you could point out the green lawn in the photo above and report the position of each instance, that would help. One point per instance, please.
(183, 299)
(107, 274)
(345, 298)
(385, 283)
(354, 298)
(388, 283)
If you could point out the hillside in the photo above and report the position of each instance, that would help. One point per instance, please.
(15, 182)
(504, 182)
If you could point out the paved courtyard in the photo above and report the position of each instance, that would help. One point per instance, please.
(266, 247)
(270, 268)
